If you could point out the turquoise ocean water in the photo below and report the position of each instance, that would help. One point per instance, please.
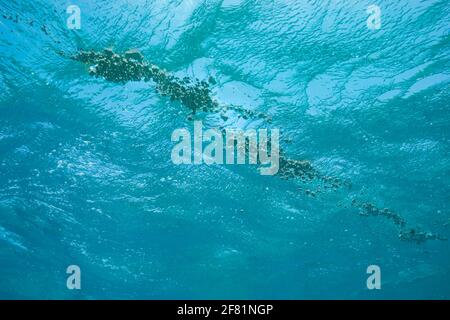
(85, 171)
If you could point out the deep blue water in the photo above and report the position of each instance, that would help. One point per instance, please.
(85, 171)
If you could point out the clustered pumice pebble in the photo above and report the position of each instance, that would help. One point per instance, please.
(196, 95)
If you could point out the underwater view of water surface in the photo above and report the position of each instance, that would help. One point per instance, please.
(94, 206)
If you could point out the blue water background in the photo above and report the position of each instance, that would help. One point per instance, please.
(86, 176)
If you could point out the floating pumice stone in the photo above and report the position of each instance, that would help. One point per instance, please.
(211, 80)
(108, 52)
(418, 236)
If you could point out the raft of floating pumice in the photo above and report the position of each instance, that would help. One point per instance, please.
(196, 95)
(130, 66)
